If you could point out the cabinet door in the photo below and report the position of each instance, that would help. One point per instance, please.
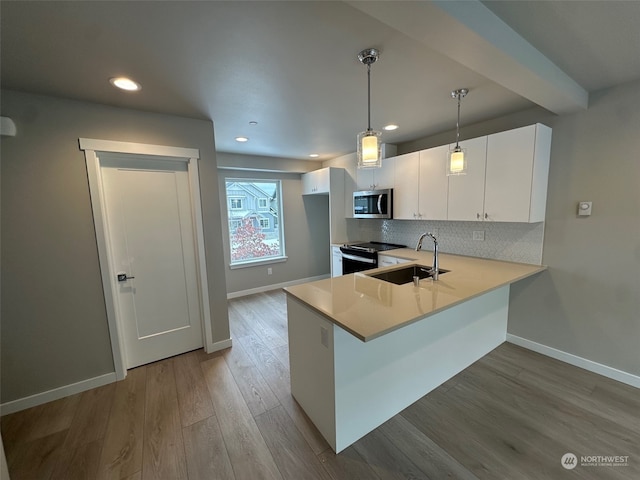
(317, 181)
(466, 192)
(510, 175)
(433, 186)
(364, 178)
(383, 177)
(405, 191)
(308, 183)
(323, 183)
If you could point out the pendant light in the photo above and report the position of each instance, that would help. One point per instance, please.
(456, 158)
(369, 147)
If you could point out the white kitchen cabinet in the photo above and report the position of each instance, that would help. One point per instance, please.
(406, 186)
(376, 178)
(420, 190)
(336, 261)
(517, 174)
(433, 186)
(506, 178)
(466, 192)
(316, 182)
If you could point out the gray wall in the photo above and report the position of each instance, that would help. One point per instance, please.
(306, 229)
(588, 302)
(54, 328)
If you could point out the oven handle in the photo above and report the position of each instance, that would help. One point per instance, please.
(380, 204)
(358, 259)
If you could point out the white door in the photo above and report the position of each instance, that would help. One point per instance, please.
(152, 242)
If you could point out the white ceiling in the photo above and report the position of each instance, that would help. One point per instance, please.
(292, 67)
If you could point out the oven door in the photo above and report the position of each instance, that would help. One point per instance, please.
(355, 263)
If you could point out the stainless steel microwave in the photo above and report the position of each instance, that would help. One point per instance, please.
(373, 204)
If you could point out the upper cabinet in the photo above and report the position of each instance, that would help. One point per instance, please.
(376, 178)
(329, 181)
(432, 192)
(506, 178)
(466, 192)
(316, 182)
(419, 191)
(517, 174)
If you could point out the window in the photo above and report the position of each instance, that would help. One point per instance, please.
(255, 237)
(234, 224)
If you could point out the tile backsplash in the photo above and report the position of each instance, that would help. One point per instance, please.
(513, 242)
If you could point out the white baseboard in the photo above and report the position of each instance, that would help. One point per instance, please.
(216, 346)
(595, 367)
(56, 393)
(274, 286)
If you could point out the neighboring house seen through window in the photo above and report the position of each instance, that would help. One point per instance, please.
(255, 225)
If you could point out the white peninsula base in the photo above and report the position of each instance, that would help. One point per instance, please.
(349, 387)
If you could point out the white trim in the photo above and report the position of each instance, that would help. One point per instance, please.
(188, 155)
(217, 346)
(104, 249)
(138, 148)
(590, 365)
(257, 262)
(275, 286)
(56, 393)
(196, 210)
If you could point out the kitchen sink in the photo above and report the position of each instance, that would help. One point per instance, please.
(403, 275)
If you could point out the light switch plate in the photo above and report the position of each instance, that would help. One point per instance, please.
(584, 209)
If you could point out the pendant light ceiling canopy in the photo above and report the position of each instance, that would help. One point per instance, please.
(369, 149)
(457, 158)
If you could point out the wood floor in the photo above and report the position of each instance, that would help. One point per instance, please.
(230, 415)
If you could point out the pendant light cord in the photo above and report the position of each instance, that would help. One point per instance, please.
(458, 123)
(368, 97)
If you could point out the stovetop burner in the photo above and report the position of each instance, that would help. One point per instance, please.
(374, 246)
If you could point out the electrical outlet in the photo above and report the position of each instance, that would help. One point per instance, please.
(478, 235)
(269, 271)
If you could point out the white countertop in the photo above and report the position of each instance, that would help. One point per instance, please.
(368, 307)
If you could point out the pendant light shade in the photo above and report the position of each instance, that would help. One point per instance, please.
(369, 149)
(457, 158)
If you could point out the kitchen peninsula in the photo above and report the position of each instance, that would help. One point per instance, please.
(363, 349)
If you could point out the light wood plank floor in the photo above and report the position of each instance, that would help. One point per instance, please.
(230, 415)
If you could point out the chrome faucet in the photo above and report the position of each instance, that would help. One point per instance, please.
(419, 244)
(435, 270)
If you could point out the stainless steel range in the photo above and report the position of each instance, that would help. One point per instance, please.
(363, 256)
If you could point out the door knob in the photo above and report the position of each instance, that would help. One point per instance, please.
(122, 277)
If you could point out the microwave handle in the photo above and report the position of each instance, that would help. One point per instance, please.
(380, 203)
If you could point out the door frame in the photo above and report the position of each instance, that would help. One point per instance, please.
(92, 149)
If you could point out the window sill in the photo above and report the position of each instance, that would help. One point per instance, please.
(255, 263)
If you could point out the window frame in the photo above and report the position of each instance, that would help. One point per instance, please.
(277, 224)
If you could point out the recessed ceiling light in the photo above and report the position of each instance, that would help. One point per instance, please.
(390, 127)
(124, 83)
(314, 155)
(242, 139)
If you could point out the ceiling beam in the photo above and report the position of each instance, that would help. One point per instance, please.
(472, 35)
